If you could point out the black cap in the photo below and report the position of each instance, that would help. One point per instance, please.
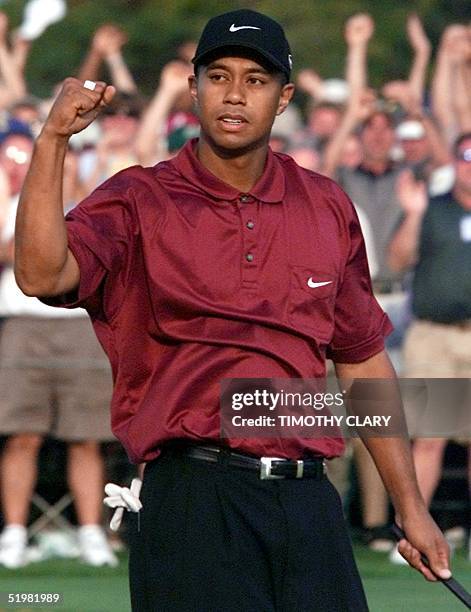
(250, 30)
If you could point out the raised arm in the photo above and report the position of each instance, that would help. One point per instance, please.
(173, 83)
(452, 43)
(462, 97)
(111, 41)
(91, 64)
(358, 31)
(44, 266)
(422, 49)
(358, 110)
(13, 84)
(412, 195)
(393, 458)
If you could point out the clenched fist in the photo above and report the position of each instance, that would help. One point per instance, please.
(76, 107)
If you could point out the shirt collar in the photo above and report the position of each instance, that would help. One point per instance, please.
(270, 187)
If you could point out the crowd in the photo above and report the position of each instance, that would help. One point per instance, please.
(403, 155)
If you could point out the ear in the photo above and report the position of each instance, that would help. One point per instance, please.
(193, 84)
(286, 95)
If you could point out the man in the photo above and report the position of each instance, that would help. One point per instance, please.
(54, 380)
(212, 266)
(435, 237)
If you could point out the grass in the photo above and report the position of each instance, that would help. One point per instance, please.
(389, 588)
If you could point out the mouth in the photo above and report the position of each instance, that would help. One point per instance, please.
(232, 123)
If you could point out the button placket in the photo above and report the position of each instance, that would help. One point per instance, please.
(248, 212)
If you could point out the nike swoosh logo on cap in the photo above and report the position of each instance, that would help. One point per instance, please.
(314, 285)
(235, 28)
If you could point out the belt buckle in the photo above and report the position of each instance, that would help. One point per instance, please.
(265, 468)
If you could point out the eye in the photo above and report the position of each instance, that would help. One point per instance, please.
(256, 80)
(216, 77)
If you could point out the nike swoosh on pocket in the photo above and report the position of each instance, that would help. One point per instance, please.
(235, 28)
(313, 284)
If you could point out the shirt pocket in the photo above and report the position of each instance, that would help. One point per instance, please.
(312, 301)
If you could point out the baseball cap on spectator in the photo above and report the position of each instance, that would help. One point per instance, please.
(181, 127)
(410, 130)
(248, 30)
(9, 126)
(335, 91)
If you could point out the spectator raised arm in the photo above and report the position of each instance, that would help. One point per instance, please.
(149, 139)
(110, 41)
(106, 45)
(453, 47)
(12, 86)
(422, 49)
(412, 196)
(360, 107)
(358, 32)
(310, 82)
(462, 90)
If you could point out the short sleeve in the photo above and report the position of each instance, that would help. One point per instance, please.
(101, 231)
(360, 323)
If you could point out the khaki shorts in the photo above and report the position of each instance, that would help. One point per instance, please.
(54, 379)
(437, 351)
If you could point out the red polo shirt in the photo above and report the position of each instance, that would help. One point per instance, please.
(188, 281)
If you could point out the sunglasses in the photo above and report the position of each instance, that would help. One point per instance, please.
(463, 155)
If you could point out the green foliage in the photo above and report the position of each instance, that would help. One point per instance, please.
(155, 27)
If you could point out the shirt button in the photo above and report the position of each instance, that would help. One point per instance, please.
(244, 197)
(250, 224)
(249, 257)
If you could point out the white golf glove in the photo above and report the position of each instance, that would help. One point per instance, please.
(122, 499)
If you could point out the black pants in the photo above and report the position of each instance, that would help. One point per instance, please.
(218, 539)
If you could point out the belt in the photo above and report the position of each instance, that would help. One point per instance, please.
(268, 468)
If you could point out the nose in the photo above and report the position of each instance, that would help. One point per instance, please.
(235, 93)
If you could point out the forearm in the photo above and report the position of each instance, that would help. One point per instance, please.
(442, 93)
(12, 75)
(152, 126)
(121, 76)
(355, 68)
(439, 151)
(90, 67)
(41, 247)
(20, 51)
(392, 455)
(393, 459)
(462, 97)
(404, 244)
(418, 72)
(334, 147)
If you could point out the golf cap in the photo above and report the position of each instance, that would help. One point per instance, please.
(249, 30)
(410, 130)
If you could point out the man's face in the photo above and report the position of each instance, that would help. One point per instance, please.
(119, 130)
(237, 101)
(15, 155)
(377, 138)
(415, 149)
(463, 167)
(324, 121)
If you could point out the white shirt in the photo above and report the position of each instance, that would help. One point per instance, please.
(13, 302)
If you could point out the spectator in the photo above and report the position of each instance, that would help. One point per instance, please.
(435, 238)
(54, 380)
